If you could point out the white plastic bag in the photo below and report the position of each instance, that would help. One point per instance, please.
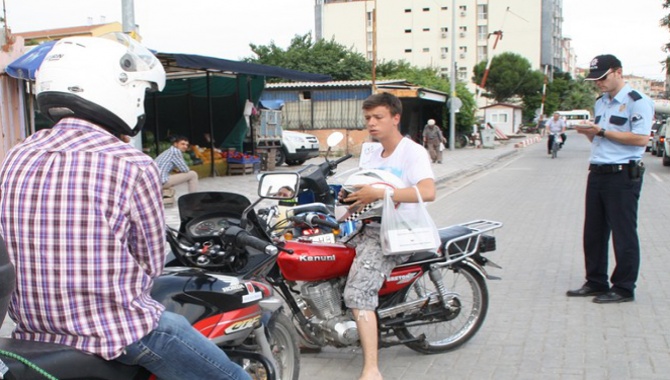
(441, 146)
(404, 232)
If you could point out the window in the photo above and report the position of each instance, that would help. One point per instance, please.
(482, 53)
(499, 118)
(482, 11)
(426, 9)
(426, 50)
(408, 30)
(408, 50)
(482, 32)
(407, 10)
(306, 95)
(444, 8)
(426, 29)
(462, 8)
(444, 30)
(444, 50)
(463, 28)
(368, 19)
(463, 49)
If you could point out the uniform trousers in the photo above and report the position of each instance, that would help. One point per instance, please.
(611, 208)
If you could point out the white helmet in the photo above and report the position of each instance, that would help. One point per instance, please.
(381, 179)
(99, 79)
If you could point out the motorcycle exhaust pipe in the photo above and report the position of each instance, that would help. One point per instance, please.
(407, 307)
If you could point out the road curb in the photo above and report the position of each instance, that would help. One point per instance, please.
(528, 141)
(463, 173)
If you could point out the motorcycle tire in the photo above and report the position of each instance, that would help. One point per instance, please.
(284, 345)
(450, 329)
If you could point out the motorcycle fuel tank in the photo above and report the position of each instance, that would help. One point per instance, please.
(315, 261)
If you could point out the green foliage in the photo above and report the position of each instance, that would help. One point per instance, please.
(510, 75)
(342, 63)
(323, 57)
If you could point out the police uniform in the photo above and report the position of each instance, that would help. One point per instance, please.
(613, 191)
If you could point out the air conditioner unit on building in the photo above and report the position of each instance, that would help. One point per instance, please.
(462, 55)
(462, 34)
(443, 56)
(444, 35)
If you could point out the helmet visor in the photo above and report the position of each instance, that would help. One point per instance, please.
(138, 59)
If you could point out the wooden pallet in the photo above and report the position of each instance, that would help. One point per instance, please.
(240, 169)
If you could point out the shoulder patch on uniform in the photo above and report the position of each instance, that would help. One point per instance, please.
(635, 95)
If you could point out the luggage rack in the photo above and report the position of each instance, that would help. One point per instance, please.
(464, 240)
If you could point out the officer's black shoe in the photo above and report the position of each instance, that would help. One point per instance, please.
(586, 291)
(614, 297)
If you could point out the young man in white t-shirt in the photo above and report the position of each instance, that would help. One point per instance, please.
(410, 162)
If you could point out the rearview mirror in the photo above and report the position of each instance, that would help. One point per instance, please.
(334, 139)
(279, 185)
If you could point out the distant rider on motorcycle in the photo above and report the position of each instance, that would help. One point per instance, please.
(555, 125)
(82, 214)
(408, 161)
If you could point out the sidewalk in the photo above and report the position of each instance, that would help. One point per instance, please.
(456, 164)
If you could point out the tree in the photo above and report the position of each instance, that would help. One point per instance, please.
(331, 58)
(510, 75)
(323, 57)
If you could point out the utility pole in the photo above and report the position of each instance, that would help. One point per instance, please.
(128, 16)
(374, 48)
(452, 80)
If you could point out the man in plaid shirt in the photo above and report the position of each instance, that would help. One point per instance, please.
(81, 212)
(172, 159)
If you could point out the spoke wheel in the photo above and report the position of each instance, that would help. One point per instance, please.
(447, 329)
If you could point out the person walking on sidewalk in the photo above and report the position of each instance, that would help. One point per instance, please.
(555, 125)
(432, 137)
(618, 135)
(173, 158)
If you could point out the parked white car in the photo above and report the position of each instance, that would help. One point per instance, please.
(666, 145)
(297, 148)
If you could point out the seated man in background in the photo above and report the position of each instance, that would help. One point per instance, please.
(172, 159)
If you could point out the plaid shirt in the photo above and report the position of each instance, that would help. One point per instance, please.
(170, 159)
(82, 216)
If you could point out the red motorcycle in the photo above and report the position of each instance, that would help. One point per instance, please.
(433, 303)
(242, 317)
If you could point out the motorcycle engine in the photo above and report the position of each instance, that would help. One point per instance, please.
(325, 302)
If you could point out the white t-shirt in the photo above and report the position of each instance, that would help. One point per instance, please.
(409, 162)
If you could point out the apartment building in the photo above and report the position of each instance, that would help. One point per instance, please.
(420, 31)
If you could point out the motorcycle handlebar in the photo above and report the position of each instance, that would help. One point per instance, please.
(341, 159)
(244, 239)
(314, 219)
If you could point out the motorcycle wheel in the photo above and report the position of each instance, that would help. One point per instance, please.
(284, 345)
(447, 330)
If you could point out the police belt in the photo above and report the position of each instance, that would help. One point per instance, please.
(607, 168)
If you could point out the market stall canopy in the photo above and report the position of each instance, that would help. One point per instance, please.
(26, 65)
(175, 65)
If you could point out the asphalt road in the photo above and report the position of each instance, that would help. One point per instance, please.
(533, 331)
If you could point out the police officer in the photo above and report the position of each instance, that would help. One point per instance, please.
(618, 135)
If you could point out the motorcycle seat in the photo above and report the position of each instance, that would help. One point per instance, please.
(454, 232)
(64, 362)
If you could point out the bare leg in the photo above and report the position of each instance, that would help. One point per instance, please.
(366, 321)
